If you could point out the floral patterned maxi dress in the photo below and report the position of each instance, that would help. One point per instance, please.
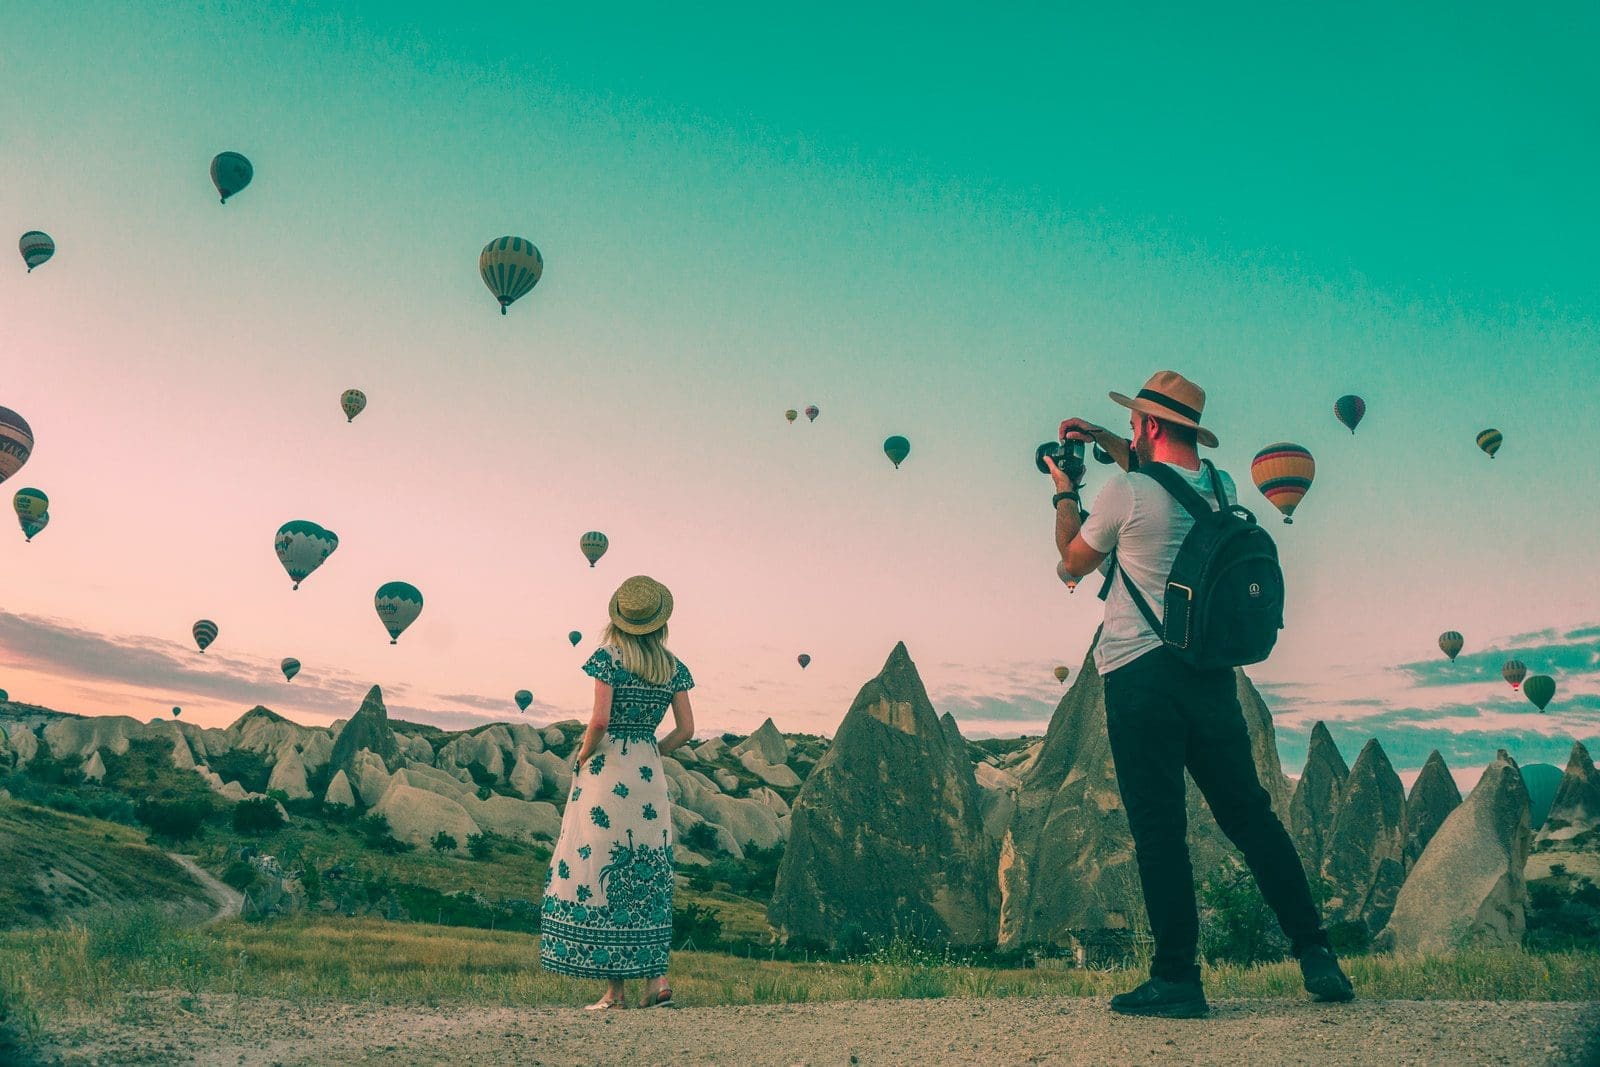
(608, 897)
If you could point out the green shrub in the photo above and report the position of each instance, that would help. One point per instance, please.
(256, 815)
(696, 922)
(701, 838)
(45, 767)
(311, 882)
(374, 830)
(443, 842)
(480, 846)
(240, 765)
(240, 874)
(1236, 926)
(175, 815)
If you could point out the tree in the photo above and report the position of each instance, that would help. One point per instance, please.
(256, 815)
(443, 842)
(480, 846)
(174, 815)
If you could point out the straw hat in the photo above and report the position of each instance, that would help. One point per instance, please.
(1171, 397)
(641, 605)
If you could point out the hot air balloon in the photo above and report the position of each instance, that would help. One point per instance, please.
(36, 247)
(523, 699)
(302, 546)
(1349, 409)
(1489, 441)
(33, 509)
(1540, 689)
(1061, 674)
(16, 442)
(812, 411)
(1283, 472)
(804, 660)
(398, 605)
(354, 402)
(31, 527)
(1066, 576)
(897, 448)
(1514, 672)
(176, 712)
(593, 545)
(791, 415)
(230, 172)
(205, 632)
(1450, 643)
(574, 637)
(291, 667)
(510, 267)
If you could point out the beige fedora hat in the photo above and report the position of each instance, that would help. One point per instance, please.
(641, 605)
(1171, 397)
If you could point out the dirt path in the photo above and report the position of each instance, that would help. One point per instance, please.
(1050, 1030)
(229, 900)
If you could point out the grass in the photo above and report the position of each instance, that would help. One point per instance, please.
(99, 968)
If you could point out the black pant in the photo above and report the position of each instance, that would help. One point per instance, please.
(1164, 716)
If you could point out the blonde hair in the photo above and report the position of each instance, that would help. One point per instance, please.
(643, 655)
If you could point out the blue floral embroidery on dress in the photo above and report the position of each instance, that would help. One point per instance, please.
(577, 791)
(597, 764)
(584, 851)
(601, 819)
(646, 773)
(620, 789)
(629, 936)
(563, 870)
(584, 893)
(649, 811)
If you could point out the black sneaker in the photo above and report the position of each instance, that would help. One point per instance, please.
(1324, 980)
(1169, 1000)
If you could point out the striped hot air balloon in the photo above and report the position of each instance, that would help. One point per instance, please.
(812, 411)
(593, 545)
(230, 172)
(510, 267)
(523, 699)
(1514, 672)
(36, 246)
(1451, 643)
(1284, 472)
(1349, 409)
(574, 637)
(1540, 689)
(302, 546)
(205, 632)
(16, 442)
(354, 402)
(1489, 440)
(804, 659)
(897, 448)
(398, 605)
(290, 667)
(1066, 576)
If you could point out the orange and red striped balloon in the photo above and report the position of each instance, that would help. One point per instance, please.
(1284, 472)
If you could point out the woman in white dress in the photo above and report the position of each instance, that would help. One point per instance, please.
(607, 909)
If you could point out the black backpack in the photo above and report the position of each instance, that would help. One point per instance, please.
(1225, 592)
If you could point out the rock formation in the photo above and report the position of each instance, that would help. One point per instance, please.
(772, 746)
(417, 815)
(1316, 798)
(1573, 823)
(289, 775)
(369, 729)
(95, 769)
(1067, 863)
(1468, 888)
(886, 834)
(339, 791)
(1363, 860)
(1434, 796)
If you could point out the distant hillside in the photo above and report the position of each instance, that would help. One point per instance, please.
(59, 866)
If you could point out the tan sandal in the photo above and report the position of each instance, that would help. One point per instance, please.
(605, 1003)
(663, 996)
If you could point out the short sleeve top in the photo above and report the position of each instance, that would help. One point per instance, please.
(636, 705)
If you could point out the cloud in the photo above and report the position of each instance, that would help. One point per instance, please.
(54, 647)
(1575, 654)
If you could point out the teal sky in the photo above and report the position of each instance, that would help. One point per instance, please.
(959, 225)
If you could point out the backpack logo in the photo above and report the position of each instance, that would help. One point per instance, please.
(1255, 589)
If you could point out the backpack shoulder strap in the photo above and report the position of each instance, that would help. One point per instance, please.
(1182, 491)
(1133, 594)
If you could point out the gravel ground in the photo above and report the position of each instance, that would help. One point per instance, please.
(1050, 1030)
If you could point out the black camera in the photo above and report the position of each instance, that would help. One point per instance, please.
(1068, 456)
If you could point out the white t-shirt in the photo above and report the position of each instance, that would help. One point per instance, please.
(1136, 516)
